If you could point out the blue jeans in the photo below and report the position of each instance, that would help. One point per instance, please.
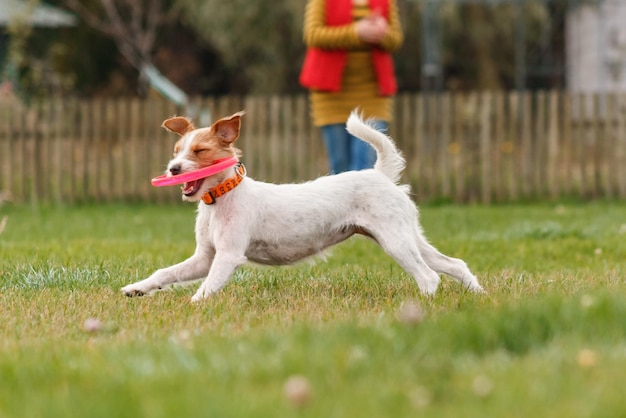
(346, 152)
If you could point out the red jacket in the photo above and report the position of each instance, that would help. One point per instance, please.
(323, 68)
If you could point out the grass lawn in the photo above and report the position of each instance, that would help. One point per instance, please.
(548, 340)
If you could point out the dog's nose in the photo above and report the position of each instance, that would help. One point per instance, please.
(175, 169)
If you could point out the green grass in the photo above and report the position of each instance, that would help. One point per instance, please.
(549, 338)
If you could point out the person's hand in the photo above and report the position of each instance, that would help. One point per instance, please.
(372, 29)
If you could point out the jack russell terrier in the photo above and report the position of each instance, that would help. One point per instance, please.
(241, 219)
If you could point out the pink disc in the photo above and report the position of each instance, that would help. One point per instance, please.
(221, 165)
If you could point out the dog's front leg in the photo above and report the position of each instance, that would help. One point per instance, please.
(224, 264)
(192, 268)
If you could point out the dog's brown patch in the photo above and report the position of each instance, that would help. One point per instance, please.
(178, 146)
(209, 144)
(207, 147)
(179, 125)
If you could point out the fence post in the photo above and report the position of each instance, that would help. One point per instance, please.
(485, 147)
(553, 144)
(566, 167)
(498, 140)
(620, 152)
(456, 148)
(526, 143)
(538, 139)
(512, 146)
(6, 151)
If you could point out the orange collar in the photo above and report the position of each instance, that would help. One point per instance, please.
(226, 186)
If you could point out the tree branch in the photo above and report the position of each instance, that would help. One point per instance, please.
(132, 26)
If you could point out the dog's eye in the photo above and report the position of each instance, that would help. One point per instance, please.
(200, 150)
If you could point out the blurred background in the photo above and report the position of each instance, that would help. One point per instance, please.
(97, 48)
(499, 99)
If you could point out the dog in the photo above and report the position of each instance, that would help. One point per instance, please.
(240, 219)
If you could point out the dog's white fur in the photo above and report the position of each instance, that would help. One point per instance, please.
(282, 224)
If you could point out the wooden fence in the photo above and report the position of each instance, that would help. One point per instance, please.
(477, 147)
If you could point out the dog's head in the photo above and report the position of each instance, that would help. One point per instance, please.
(201, 147)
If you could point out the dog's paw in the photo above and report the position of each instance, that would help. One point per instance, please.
(201, 295)
(199, 298)
(132, 291)
(429, 287)
(477, 289)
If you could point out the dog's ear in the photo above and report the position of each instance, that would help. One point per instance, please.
(227, 129)
(178, 125)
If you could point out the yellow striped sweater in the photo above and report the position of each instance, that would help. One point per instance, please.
(359, 86)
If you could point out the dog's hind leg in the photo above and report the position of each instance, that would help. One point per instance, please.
(408, 257)
(444, 264)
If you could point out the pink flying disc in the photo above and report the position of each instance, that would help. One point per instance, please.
(219, 166)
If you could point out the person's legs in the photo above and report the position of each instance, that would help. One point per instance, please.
(362, 154)
(337, 141)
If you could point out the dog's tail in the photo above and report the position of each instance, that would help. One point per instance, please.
(389, 160)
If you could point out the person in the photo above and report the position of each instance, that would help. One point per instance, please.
(348, 64)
